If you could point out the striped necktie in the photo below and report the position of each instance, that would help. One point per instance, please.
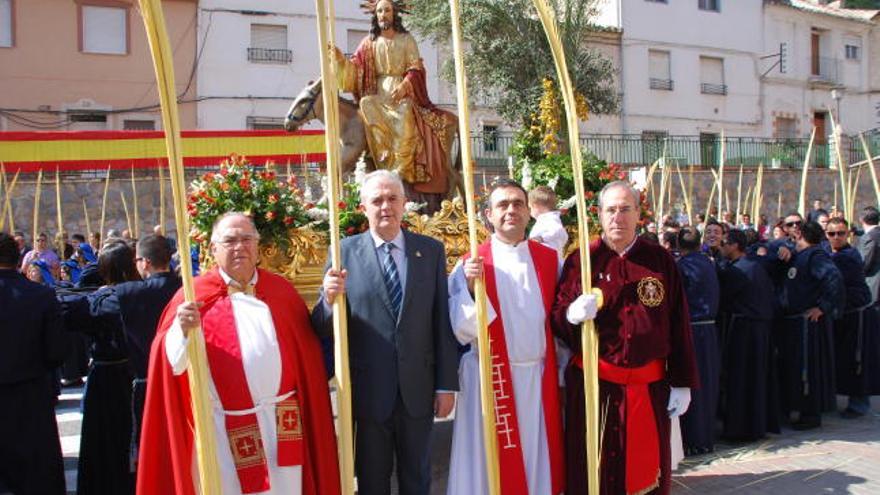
(392, 279)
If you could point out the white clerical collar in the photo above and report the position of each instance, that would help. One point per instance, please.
(869, 228)
(398, 240)
(625, 250)
(521, 246)
(227, 278)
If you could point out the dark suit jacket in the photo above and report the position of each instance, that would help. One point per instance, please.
(869, 248)
(32, 340)
(140, 304)
(415, 355)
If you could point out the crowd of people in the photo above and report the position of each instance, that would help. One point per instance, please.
(724, 330)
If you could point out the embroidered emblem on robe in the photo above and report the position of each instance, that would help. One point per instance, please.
(650, 292)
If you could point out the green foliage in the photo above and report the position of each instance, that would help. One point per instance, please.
(508, 54)
(862, 4)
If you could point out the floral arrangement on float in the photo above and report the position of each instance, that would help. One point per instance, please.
(276, 205)
(541, 158)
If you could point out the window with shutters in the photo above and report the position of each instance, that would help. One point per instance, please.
(710, 5)
(138, 125)
(269, 44)
(7, 38)
(660, 74)
(785, 128)
(264, 123)
(712, 76)
(104, 29)
(354, 40)
(852, 48)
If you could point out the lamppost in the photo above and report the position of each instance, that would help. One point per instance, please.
(837, 95)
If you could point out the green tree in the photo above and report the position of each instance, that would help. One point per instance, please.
(508, 55)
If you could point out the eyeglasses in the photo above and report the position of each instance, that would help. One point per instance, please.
(836, 233)
(793, 224)
(229, 242)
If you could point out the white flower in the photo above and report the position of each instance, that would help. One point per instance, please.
(307, 194)
(412, 206)
(526, 175)
(360, 171)
(568, 203)
(553, 182)
(318, 214)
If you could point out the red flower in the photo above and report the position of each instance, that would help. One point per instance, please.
(224, 171)
(209, 177)
(244, 184)
(350, 231)
(594, 209)
(341, 205)
(270, 215)
(224, 186)
(288, 220)
(309, 206)
(273, 198)
(589, 194)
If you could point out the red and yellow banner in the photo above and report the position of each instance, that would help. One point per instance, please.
(86, 150)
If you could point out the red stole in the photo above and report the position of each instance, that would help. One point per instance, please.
(227, 371)
(512, 467)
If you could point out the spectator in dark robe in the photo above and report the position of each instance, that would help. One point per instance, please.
(857, 332)
(32, 345)
(747, 309)
(812, 295)
(700, 280)
(140, 303)
(104, 454)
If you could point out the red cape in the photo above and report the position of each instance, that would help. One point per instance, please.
(166, 449)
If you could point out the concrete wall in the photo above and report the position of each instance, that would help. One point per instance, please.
(46, 70)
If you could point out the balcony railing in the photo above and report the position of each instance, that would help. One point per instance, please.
(642, 150)
(665, 84)
(824, 70)
(270, 55)
(713, 89)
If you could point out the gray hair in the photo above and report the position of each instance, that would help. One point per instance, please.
(215, 237)
(381, 174)
(620, 184)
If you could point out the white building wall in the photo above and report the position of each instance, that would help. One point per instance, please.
(687, 33)
(232, 88)
(797, 93)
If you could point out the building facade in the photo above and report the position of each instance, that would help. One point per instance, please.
(86, 65)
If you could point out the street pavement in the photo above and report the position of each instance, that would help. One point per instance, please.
(841, 457)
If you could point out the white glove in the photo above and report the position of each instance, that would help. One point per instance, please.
(581, 309)
(679, 400)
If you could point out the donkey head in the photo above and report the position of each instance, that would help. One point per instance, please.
(307, 106)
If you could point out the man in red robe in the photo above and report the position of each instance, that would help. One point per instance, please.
(269, 399)
(647, 365)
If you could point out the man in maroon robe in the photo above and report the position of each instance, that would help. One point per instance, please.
(647, 365)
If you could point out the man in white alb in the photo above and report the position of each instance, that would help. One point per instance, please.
(520, 278)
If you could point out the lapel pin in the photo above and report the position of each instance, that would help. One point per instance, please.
(418, 254)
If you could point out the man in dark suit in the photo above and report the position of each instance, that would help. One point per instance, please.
(140, 304)
(32, 345)
(869, 248)
(403, 355)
